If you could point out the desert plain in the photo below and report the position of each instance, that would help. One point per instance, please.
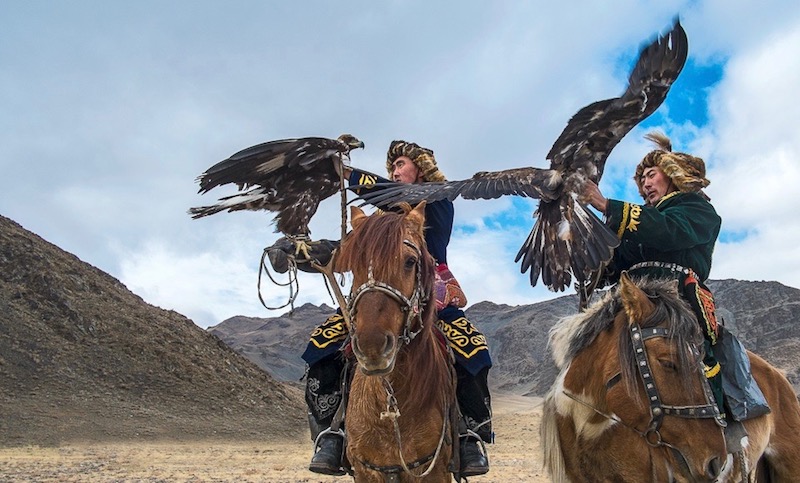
(514, 457)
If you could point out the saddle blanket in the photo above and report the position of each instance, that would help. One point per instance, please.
(467, 342)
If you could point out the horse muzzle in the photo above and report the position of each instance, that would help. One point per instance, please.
(376, 354)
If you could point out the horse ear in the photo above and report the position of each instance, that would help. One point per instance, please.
(357, 216)
(634, 300)
(417, 215)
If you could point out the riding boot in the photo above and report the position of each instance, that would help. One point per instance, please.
(473, 461)
(474, 402)
(327, 459)
(323, 396)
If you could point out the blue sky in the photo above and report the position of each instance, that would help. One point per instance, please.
(111, 109)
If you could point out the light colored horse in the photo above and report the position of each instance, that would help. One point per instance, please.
(402, 405)
(631, 403)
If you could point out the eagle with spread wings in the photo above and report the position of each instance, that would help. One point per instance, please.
(289, 177)
(567, 239)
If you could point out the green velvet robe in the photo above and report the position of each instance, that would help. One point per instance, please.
(682, 228)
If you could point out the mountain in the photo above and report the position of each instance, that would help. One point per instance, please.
(764, 315)
(274, 344)
(83, 358)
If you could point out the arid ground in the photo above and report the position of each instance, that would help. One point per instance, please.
(515, 457)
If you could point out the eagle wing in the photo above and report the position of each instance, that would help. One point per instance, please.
(289, 177)
(528, 182)
(593, 132)
(567, 238)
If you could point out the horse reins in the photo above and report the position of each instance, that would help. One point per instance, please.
(393, 412)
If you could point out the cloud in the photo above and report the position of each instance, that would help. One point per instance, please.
(755, 160)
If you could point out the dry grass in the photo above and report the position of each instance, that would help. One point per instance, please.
(515, 457)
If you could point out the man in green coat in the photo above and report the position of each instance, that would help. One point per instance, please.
(672, 235)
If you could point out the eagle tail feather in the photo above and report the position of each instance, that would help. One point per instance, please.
(558, 249)
(593, 243)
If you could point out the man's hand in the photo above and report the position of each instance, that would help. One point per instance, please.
(591, 194)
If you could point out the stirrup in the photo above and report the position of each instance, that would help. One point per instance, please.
(338, 432)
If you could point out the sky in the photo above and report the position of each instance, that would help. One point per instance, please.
(109, 110)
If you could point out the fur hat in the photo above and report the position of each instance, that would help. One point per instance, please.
(421, 157)
(687, 172)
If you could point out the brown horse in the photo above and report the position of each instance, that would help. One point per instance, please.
(399, 417)
(631, 403)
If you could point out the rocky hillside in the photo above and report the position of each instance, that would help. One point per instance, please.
(274, 344)
(83, 358)
(764, 315)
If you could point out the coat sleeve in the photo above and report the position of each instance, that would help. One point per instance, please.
(438, 228)
(358, 177)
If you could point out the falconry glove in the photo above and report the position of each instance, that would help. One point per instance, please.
(284, 250)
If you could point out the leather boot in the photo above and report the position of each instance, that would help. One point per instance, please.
(473, 461)
(328, 458)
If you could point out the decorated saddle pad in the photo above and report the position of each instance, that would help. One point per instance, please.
(467, 342)
(326, 339)
(448, 290)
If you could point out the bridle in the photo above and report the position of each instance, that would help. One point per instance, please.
(658, 409)
(410, 306)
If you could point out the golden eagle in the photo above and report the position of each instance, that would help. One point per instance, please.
(567, 238)
(289, 177)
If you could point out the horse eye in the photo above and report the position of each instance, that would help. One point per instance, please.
(411, 262)
(668, 364)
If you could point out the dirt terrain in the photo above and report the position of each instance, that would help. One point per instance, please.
(515, 457)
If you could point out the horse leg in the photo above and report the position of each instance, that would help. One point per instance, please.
(780, 428)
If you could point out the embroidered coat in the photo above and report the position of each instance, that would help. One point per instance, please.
(681, 228)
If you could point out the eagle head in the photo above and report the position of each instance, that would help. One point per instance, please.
(351, 141)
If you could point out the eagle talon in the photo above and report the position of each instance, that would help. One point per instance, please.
(302, 246)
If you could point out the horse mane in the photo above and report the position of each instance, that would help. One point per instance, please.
(574, 333)
(380, 237)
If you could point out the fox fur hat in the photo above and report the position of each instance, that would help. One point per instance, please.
(687, 172)
(422, 157)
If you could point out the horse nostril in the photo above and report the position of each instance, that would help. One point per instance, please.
(714, 467)
(388, 345)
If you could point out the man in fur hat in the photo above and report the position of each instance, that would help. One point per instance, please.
(672, 235)
(406, 163)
